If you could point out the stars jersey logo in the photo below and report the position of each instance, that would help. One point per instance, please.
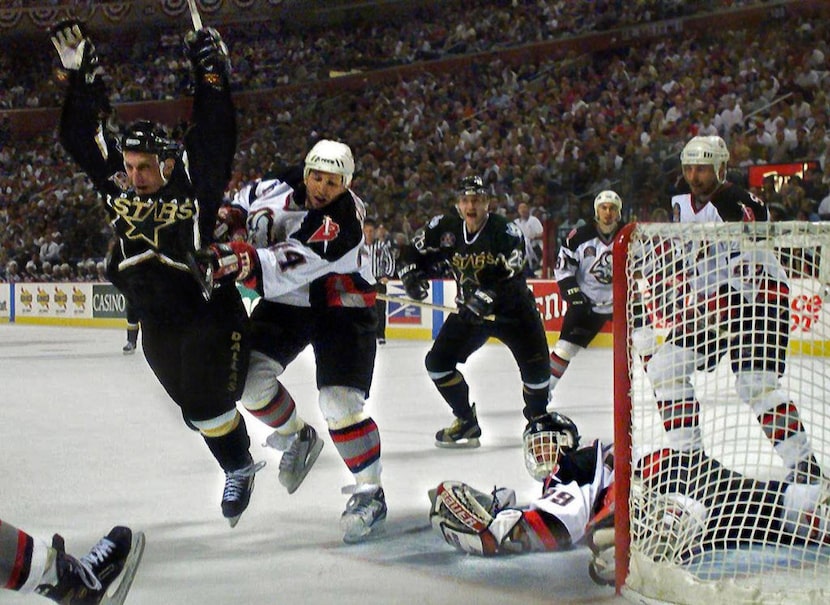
(326, 232)
(144, 219)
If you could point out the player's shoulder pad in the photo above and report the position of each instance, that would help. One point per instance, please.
(736, 204)
(580, 235)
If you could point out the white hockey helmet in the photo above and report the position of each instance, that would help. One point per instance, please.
(708, 150)
(330, 156)
(607, 197)
(544, 440)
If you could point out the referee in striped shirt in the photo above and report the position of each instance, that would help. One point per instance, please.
(383, 269)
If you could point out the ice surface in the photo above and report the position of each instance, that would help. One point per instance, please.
(89, 439)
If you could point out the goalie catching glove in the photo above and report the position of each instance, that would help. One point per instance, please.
(234, 261)
(75, 49)
(465, 518)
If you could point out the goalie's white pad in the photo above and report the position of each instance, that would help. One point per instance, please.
(464, 518)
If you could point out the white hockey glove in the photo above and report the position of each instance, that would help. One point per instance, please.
(464, 516)
(75, 50)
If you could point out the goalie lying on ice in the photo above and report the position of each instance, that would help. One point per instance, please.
(682, 505)
(576, 487)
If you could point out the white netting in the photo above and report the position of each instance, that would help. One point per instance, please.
(728, 345)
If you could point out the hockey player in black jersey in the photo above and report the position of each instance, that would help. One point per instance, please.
(162, 203)
(751, 325)
(583, 273)
(486, 255)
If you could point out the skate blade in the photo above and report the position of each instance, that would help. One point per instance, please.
(356, 535)
(313, 453)
(118, 596)
(461, 444)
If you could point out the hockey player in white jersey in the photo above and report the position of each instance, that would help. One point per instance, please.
(583, 273)
(725, 302)
(303, 255)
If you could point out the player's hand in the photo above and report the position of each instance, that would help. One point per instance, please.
(230, 224)
(478, 306)
(234, 261)
(75, 50)
(414, 282)
(208, 54)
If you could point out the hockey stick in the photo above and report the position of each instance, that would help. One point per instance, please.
(195, 17)
(427, 305)
(204, 277)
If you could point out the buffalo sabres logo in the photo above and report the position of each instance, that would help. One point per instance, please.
(261, 228)
(326, 232)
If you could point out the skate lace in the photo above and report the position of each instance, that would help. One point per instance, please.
(84, 567)
(236, 481)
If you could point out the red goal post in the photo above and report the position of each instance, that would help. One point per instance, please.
(755, 572)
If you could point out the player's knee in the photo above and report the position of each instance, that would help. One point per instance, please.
(671, 364)
(261, 384)
(437, 363)
(342, 406)
(566, 350)
(218, 425)
(758, 389)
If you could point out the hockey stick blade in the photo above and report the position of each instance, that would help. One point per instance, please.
(204, 277)
(128, 573)
(195, 17)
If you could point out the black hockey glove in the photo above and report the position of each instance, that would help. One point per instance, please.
(227, 263)
(578, 303)
(75, 50)
(414, 281)
(209, 55)
(477, 306)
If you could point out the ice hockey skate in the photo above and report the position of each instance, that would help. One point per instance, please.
(364, 514)
(129, 348)
(300, 451)
(239, 485)
(462, 433)
(112, 562)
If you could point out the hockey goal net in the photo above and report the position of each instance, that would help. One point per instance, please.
(758, 293)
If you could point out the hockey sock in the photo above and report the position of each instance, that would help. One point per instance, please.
(279, 411)
(25, 561)
(230, 449)
(359, 446)
(455, 391)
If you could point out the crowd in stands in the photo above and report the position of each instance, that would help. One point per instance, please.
(550, 133)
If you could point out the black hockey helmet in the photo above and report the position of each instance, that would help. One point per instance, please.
(472, 185)
(144, 136)
(544, 440)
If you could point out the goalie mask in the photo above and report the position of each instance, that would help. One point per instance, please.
(545, 439)
(330, 156)
(707, 151)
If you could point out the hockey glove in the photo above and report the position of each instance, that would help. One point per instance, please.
(75, 50)
(414, 281)
(209, 56)
(478, 306)
(235, 261)
(230, 224)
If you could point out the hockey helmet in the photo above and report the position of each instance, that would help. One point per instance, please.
(330, 156)
(144, 136)
(707, 150)
(544, 440)
(607, 197)
(472, 185)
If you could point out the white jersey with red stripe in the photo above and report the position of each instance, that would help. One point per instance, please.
(573, 503)
(308, 257)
